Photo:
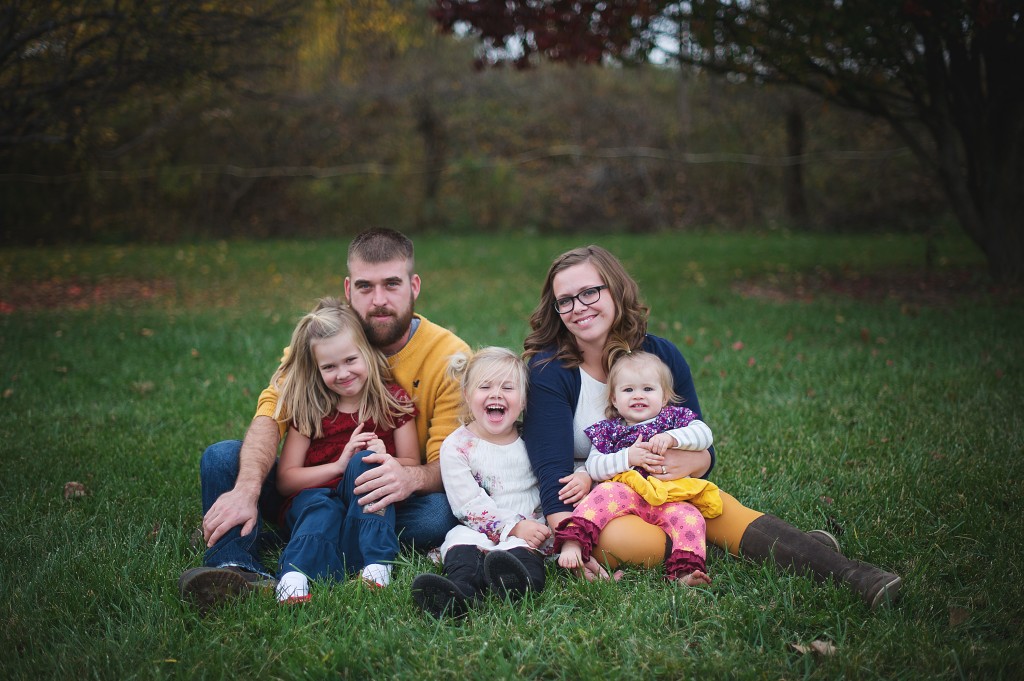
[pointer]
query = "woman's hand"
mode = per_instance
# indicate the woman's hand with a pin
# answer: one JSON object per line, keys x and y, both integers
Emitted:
{"x": 594, "y": 571}
{"x": 683, "y": 464}
{"x": 574, "y": 487}
{"x": 532, "y": 532}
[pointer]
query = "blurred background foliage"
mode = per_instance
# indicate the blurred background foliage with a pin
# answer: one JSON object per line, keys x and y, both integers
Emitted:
{"x": 330, "y": 116}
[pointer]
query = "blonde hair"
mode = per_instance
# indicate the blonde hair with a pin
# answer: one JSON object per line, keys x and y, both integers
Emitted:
{"x": 486, "y": 364}
{"x": 305, "y": 399}
{"x": 629, "y": 325}
{"x": 621, "y": 359}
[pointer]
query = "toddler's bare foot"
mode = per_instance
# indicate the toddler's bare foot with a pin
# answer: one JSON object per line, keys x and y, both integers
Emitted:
{"x": 695, "y": 578}
{"x": 571, "y": 557}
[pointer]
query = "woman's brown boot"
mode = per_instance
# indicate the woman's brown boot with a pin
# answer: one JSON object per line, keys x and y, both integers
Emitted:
{"x": 769, "y": 538}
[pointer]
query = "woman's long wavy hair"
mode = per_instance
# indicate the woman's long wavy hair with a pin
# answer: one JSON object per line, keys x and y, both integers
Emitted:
{"x": 305, "y": 399}
{"x": 629, "y": 325}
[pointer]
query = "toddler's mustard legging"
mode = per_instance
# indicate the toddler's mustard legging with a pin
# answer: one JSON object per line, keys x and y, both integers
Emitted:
{"x": 629, "y": 539}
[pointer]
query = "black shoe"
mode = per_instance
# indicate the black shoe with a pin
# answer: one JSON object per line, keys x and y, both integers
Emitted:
{"x": 211, "y": 586}
{"x": 439, "y": 596}
{"x": 506, "y": 575}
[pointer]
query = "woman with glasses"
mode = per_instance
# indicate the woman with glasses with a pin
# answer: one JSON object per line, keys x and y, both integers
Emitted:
{"x": 589, "y": 304}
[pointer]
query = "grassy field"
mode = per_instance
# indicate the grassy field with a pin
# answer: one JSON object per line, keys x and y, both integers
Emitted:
{"x": 890, "y": 413}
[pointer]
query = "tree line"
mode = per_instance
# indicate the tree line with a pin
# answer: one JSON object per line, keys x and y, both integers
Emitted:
{"x": 127, "y": 120}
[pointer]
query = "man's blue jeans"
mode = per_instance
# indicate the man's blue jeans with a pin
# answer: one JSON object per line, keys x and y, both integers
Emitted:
{"x": 421, "y": 520}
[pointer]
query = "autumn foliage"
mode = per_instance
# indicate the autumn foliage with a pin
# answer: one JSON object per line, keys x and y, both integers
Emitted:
{"x": 944, "y": 75}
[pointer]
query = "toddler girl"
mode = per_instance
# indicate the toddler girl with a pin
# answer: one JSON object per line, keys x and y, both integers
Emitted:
{"x": 627, "y": 450}
{"x": 492, "y": 491}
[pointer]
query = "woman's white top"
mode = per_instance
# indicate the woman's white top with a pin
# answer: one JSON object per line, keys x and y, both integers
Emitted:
{"x": 589, "y": 410}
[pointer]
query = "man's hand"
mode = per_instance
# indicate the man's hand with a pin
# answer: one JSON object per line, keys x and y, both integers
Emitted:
{"x": 388, "y": 483}
{"x": 233, "y": 508}
{"x": 532, "y": 532}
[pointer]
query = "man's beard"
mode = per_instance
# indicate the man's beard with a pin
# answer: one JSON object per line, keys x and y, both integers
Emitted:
{"x": 382, "y": 334}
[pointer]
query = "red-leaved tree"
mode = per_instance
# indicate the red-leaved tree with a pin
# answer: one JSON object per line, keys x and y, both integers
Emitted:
{"x": 947, "y": 75}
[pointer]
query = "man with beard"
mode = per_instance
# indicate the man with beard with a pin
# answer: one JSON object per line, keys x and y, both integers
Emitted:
{"x": 238, "y": 478}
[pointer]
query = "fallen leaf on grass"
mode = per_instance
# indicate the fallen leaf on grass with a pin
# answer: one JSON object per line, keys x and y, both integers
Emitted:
{"x": 823, "y": 648}
{"x": 958, "y": 616}
{"x": 74, "y": 490}
{"x": 143, "y": 387}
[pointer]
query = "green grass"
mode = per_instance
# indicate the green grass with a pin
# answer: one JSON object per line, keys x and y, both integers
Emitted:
{"x": 900, "y": 423}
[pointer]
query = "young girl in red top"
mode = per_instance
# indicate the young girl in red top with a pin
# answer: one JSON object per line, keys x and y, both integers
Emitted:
{"x": 337, "y": 393}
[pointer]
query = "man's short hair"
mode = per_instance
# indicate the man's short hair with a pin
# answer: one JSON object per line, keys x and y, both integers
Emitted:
{"x": 379, "y": 244}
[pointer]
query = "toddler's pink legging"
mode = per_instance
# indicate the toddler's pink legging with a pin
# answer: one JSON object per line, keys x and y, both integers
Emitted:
{"x": 680, "y": 520}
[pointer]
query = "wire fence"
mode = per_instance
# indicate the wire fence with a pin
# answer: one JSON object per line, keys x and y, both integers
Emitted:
{"x": 379, "y": 169}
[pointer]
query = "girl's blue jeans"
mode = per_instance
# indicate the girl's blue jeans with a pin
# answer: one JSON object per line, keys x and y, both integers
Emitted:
{"x": 421, "y": 521}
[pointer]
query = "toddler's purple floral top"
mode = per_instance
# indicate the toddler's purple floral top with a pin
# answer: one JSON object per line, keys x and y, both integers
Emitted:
{"x": 612, "y": 435}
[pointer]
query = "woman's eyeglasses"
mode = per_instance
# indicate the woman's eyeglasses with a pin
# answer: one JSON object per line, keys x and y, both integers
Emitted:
{"x": 587, "y": 296}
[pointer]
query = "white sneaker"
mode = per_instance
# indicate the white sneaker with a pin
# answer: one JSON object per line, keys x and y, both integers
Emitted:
{"x": 293, "y": 587}
{"x": 377, "y": 575}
